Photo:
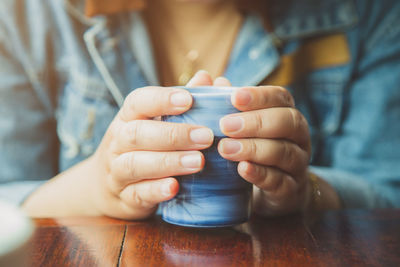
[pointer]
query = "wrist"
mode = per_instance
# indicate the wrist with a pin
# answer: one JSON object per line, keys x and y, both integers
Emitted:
{"x": 314, "y": 201}
{"x": 67, "y": 194}
{"x": 321, "y": 195}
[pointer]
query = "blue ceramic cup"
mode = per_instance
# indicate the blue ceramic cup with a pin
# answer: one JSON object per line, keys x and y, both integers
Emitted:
{"x": 217, "y": 196}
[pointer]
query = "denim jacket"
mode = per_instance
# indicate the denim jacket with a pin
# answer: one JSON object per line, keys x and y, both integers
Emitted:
{"x": 63, "y": 77}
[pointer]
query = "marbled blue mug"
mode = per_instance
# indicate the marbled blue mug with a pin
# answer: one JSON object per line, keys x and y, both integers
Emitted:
{"x": 217, "y": 196}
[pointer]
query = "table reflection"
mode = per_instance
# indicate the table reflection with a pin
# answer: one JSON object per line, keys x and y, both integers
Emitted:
{"x": 207, "y": 247}
{"x": 345, "y": 238}
{"x": 76, "y": 243}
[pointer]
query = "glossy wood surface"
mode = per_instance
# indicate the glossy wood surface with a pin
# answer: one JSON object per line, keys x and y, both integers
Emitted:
{"x": 345, "y": 238}
{"x": 77, "y": 242}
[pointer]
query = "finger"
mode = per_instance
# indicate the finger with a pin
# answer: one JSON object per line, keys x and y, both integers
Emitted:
{"x": 276, "y": 192}
{"x": 222, "y": 81}
{"x": 281, "y": 123}
{"x": 160, "y": 136}
{"x": 260, "y": 97}
{"x": 201, "y": 78}
{"x": 281, "y": 154}
{"x": 135, "y": 166}
{"x": 149, "y": 102}
{"x": 277, "y": 183}
{"x": 142, "y": 198}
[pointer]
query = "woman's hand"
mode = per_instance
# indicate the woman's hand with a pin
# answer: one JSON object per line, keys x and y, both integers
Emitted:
{"x": 139, "y": 156}
{"x": 271, "y": 141}
{"x": 132, "y": 170}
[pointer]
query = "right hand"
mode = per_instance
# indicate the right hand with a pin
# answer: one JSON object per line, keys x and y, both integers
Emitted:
{"x": 138, "y": 156}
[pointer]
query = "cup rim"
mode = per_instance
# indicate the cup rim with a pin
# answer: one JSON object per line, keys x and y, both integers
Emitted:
{"x": 210, "y": 90}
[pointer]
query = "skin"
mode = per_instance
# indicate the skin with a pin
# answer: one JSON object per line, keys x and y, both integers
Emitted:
{"x": 132, "y": 170}
{"x": 270, "y": 139}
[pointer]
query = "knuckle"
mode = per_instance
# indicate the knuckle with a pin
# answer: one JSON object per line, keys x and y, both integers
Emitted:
{"x": 133, "y": 132}
{"x": 299, "y": 129}
{"x": 262, "y": 173}
{"x": 279, "y": 182}
{"x": 137, "y": 199}
{"x": 113, "y": 184}
{"x": 163, "y": 98}
{"x": 128, "y": 163}
{"x": 253, "y": 149}
{"x": 127, "y": 106}
{"x": 128, "y": 100}
{"x": 140, "y": 195}
{"x": 297, "y": 120}
{"x": 281, "y": 151}
{"x": 259, "y": 121}
{"x": 114, "y": 146}
{"x": 288, "y": 154}
{"x": 119, "y": 166}
{"x": 273, "y": 181}
{"x": 173, "y": 134}
{"x": 260, "y": 176}
{"x": 167, "y": 161}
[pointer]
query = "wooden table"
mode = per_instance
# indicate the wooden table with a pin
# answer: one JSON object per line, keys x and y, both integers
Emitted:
{"x": 345, "y": 238}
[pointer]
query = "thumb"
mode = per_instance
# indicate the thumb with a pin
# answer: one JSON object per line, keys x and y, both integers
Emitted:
{"x": 222, "y": 81}
{"x": 201, "y": 78}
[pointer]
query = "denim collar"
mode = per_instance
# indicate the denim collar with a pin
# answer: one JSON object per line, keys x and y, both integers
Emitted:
{"x": 255, "y": 54}
{"x": 302, "y": 18}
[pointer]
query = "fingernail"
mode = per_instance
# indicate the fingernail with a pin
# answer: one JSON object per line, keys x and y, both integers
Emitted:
{"x": 191, "y": 161}
{"x": 202, "y": 136}
{"x": 166, "y": 189}
{"x": 231, "y": 146}
{"x": 242, "y": 97}
{"x": 232, "y": 124}
{"x": 180, "y": 99}
{"x": 202, "y": 72}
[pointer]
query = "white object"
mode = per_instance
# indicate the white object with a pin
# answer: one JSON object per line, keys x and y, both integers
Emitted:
{"x": 16, "y": 230}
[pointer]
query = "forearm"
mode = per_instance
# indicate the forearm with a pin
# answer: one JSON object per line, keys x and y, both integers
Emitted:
{"x": 67, "y": 194}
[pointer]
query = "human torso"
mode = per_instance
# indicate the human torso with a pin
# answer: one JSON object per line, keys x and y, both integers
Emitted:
{"x": 349, "y": 109}
{"x": 187, "y": 37}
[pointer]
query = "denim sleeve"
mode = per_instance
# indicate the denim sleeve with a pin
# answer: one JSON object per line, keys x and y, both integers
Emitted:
{"x": 28, "y": 141}
{"x": 366, "y": 152}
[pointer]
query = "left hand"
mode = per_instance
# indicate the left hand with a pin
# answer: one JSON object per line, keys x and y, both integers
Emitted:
{"x": 270, "y": 139}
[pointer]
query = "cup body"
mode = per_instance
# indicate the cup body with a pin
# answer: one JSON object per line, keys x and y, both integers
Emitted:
{"x": 217, "y": 196}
